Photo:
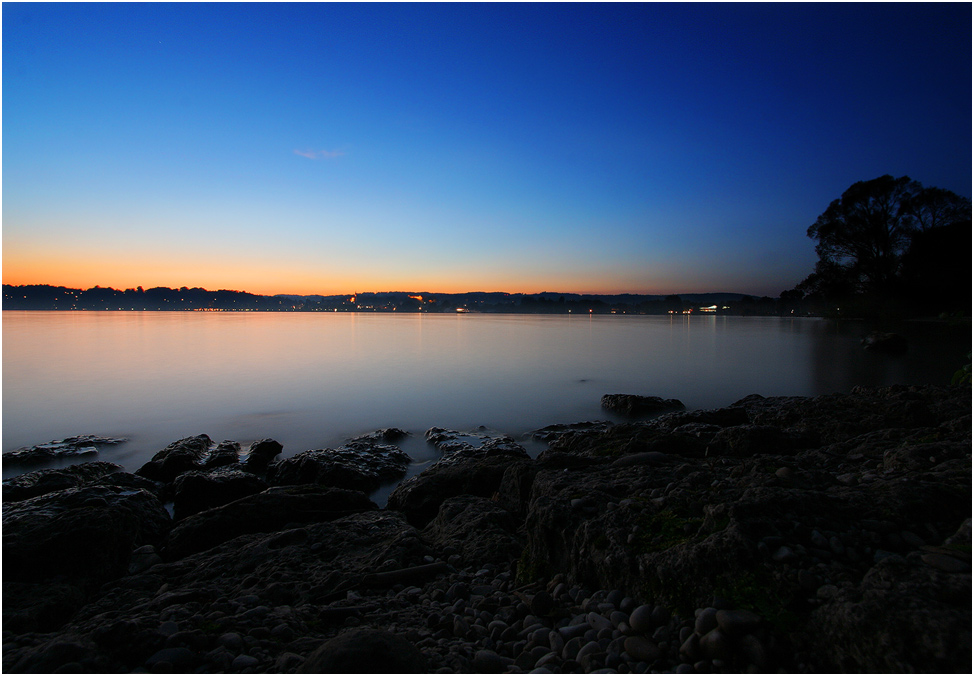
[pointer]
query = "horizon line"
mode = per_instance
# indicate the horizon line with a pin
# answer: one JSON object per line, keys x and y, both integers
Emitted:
{"x": 424, "y": 291}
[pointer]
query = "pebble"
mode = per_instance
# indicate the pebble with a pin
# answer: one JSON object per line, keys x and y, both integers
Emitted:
{"x": 737, "y": 622}
{"x": 706, "y": 620}
{"x": 784, "y": 554}
{"x": 641, "y": 619}
{"x": 642, "y": 649}
{"x": 244, "y": 661}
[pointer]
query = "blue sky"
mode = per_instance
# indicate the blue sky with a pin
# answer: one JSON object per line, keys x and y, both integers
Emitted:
{"x": 333, "y": 148}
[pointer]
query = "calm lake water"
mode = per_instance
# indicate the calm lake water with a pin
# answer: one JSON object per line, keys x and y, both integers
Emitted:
{"x": 313, "y": 380}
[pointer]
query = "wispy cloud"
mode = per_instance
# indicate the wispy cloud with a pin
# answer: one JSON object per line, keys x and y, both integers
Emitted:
{"x": 319, "y": 154}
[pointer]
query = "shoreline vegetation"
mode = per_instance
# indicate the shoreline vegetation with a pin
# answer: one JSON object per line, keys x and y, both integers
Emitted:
{"x": 42, "y": 297}
{"x": 794, "y": 534}
{"x": 45, "y": 297}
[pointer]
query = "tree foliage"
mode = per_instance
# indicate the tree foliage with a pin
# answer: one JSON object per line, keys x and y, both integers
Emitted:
{"x": 864, "y": 235}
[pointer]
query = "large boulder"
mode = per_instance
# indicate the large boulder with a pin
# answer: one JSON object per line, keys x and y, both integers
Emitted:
{"x": 636, "y": 405}
{"x": 261, "y": 454}
{"x": 225, "y": 453}
{"x": 360, "y": 464}
{"x": 180, "y": 456}
{"x": 365, "y": 651}
{"x": 83, "y": 533}
{"x": 274, "y": 509}
{"x": 477, "y": 528}
{"x": 197, "y": 491}
{"x": 42, "y": 481}
{"x": 420, "y": 496}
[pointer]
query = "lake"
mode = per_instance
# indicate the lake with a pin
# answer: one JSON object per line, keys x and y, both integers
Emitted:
{"x": 313, "y": 380}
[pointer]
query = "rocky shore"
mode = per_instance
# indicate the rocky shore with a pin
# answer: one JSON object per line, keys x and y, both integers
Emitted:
{"x": 780, "y": 534}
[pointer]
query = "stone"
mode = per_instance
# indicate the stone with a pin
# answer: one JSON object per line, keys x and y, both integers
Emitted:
{"x": 642, "y": 649}
{"x": 85, "y": 533}
{"x": 363, "y": 651}
{"x": 489, "y": 662}
{"x": 260, "y": 454}
{"x": 737, "y": 622}
{"x": 270, "y": 510}
{"x": 705, "y": 621}
{"x": 180, "y": 660}
{"x": 641, "y": 620}
{"x": 636, "y": 405}
{"x": 69, "y": 448}
{"x": 180, "y": 456}
{"x": 41, "y": 482}
{"x": 357, "y": 466}
{"x": 479, "y": 531}
{"x": 716, "y": 644}
{"x": 198, "y": 491}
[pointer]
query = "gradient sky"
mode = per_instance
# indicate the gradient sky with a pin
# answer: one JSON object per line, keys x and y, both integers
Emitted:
{"x": 334, "y": 148}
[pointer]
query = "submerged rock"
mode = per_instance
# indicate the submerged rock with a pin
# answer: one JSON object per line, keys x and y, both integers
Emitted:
{"x": 71, "y": 447}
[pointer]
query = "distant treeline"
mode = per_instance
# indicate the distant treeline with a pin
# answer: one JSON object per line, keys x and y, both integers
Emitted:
{"x": 45, "y": 297}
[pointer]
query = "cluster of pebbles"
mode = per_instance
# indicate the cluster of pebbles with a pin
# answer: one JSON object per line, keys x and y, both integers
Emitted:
{"x": 482, "y": 622}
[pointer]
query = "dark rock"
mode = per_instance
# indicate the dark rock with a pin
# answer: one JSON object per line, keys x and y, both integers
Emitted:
{"x": 552, "y": 432}
{"x": 80, "y": 533}
{"x": 271, "y": 510}
{"x": 420, "y": 496}
{"x": 71, "y": 447}
{"x": 181, "y": 660}
{"x": 44, "y": 481}
{"x": 743, "y": 441}
{"x": 197, "y": 491}
{"x": 226, "y": 453}
{"x": 359, "y": 465}
{"x": 635, "y": 405}
{"x": 364, "y": 651}
{"x": 261, "y": 454}
{"x": 475, "y": 445}
{"x": 127, "y": 480}
{"x": 39, "y": 606}
{"x": 180, "y": 456}
{"x": 477, "y": 528}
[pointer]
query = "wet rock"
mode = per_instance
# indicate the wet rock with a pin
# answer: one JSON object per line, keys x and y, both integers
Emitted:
{"x": 226, "y": 453}
{"x": 41, "y": 482}
{"x": 180, "y": 456}
{"x": 479, "y": 530}
{"x": 197, "y": 491}
{"x": 273, "y": 509}
{"x": 420, "y": 496}
{"x": 363, "y": 651}
{"x": 69, "y": 448}
{"x": 636, "y": 405}
{"x": 260, "y": 454}
{"x": 357, "y": 465}
{"x": 83, "y": 533}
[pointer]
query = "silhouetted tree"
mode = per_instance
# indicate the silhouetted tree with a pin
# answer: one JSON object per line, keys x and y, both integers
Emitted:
{"x": 867, "y": 230}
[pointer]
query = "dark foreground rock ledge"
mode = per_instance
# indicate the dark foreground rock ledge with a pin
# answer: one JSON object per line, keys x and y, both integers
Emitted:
{"x": 777, "y": 534}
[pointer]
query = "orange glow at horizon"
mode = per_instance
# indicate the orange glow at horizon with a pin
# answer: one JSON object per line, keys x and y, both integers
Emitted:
{"x": 84, "y": 271}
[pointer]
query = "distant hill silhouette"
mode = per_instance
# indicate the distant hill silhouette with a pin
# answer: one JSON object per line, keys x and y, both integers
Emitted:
{"x": 45, "y": 297}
